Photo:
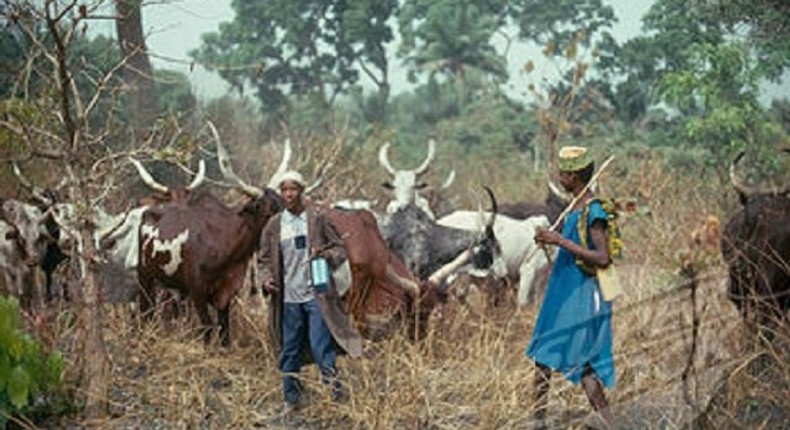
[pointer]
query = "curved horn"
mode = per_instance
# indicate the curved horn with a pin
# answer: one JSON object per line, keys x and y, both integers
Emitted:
{"x": 35, "y": 192}
{"x": 449, "y": 181}
{"x": 405, "y": 283}
{"x": 438, "y": 276}
{"x": 493, "y": 206}
{"x": 199, "y": 177}
{"x": 428, "y": 159}
{"x": 384, "y": 158}
{"x": 312, "y": 187}
{"x": 739, "y": 186}
{"x": 283, "y": 167}
{"x": 227, "y": 169}
{"x": 147, "y": 178}
{"x": 554, "y": 189}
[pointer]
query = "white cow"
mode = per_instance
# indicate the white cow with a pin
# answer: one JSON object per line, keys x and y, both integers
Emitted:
{"x": 404, "y": 184}
{"x": 517, "y": 242}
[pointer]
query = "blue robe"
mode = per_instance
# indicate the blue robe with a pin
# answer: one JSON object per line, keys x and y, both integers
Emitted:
{"x": 574, "y": 326}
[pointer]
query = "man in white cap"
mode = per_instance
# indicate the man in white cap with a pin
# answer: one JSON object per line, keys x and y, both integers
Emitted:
{"x": 302, "y": 314}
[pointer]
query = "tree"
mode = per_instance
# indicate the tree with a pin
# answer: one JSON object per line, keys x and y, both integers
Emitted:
{"x": 174, "y": 93}
{"x": 717, "y": 92}
{"x": 574, "y": 35}
{"x": 53, "y": 122}
{"x": 304, "y": 49}
{"x": 451, "y": 37}
{"x": 767, "y": 24}
{"x": 137, "y": 70}
{"x": 670, "y": 27}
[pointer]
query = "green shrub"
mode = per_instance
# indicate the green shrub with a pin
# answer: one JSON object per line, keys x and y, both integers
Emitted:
{"x": 27, "y": 374}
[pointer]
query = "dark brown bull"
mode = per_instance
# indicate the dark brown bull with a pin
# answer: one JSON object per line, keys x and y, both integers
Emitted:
{"x": 756, "y": 246}
{"x": 383, "y": 293}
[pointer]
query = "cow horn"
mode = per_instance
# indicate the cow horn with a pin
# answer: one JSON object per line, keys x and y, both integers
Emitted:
{"x": 227, "y": 170}
{"x": 116, "y": 223}
{"x": 274, "y": 181}
{"x": 199, "y": 177}
{"x": 449, "y": 181}
{"x": 147, "y": 178}
{"x": 428, "y": 159}
{"x": 406, "y": 284}
{"x": 384, "y": 158}
{"x": 554, "y": 189}
{"x": 493, "y": 206}
{"x": 312, "y": 187}
{"x": 438, "y": 276}
{"x": 35, "y": 192}
{"x": 739, "y": 186}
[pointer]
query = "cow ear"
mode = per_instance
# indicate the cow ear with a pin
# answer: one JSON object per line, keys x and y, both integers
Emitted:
{"x": 421, "y": 185}
{"x": 388, "y": 185}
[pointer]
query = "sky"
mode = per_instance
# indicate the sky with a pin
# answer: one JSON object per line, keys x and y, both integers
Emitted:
{"x": 174, "y": 27}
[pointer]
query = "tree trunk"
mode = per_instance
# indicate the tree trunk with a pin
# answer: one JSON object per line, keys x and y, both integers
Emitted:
{"x": 95, "y": 370}
{"x": 137, "y": 73}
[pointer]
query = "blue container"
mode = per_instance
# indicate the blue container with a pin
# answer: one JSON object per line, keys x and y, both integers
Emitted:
{"x": 319, "y": 274}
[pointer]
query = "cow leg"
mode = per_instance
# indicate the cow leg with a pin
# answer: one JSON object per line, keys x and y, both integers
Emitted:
{"x": 223, "y": 316}
{"x": 201, "y": 305}
{"x": 147, "y": 298}
{"x": 48, "y": 286}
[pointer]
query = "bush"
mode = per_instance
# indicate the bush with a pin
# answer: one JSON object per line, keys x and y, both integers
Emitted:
{"x": 27, "y": 374}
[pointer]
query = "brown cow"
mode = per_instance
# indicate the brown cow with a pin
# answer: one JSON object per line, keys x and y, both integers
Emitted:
{"x": 756, "y": 246}
{"x": 383, "y": 293}
{"x": 200, "y": 247}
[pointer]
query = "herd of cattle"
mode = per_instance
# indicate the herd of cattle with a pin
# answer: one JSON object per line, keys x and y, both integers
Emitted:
{"x": 399, "y": 261}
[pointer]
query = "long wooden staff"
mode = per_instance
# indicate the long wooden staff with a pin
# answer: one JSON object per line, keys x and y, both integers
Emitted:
{"x": 570, "y": 207}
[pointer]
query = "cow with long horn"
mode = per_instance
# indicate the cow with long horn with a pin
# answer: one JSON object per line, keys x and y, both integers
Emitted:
{"x": 201, "y": 247}
{"x": 425, "y": 246}
{"x": 755, "y": 245}
{"x": 404, "y": 184}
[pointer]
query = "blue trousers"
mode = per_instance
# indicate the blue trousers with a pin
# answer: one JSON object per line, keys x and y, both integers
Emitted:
{"x": 303, "y": 322}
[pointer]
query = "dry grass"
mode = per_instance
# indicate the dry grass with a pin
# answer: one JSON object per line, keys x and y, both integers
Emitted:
{"x": 471, "y": 372}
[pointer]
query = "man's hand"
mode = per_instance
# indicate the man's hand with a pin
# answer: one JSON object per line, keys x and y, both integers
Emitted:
{"x": 269, "y": 286}
{"x": 547, "y": 237}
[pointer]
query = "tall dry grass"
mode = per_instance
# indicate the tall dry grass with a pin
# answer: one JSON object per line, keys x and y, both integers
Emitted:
{"x": 471, "y": 372}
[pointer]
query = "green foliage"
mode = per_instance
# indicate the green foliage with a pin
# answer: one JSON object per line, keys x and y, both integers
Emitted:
{"x": 717, "y": 92}
{"x": 174, "y": 92}
{"x": 26, "y": 372}
{"x": 768, "y": 26}
{"x": 301, "y": 49}
{"x": 452, "y": 38}
{"x": 669, "y": 27}
{"x": 558, "y": 25}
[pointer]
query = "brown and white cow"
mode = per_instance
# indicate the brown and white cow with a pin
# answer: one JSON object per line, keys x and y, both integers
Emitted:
{"x": 201, "y": 247}
{"x": 755, "y": 245}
